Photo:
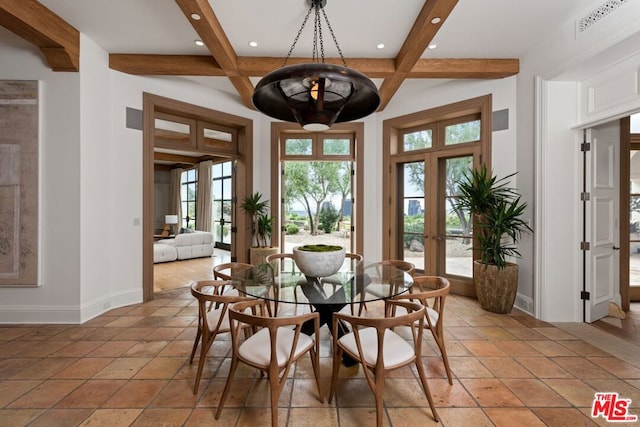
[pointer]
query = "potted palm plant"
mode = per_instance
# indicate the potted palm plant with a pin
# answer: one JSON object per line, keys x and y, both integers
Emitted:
{"x": 497, "y": 211}
{"x": 261, "y": 227}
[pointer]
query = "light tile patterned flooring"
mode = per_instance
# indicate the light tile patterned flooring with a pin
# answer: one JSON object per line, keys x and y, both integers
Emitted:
{"x": 129, "y": 367}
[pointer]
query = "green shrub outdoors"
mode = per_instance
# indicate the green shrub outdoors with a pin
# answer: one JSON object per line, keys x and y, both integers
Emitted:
{"x": 292, "y": 229}
{"x": 413, "y": 229}
{"x": 328, "y": 218}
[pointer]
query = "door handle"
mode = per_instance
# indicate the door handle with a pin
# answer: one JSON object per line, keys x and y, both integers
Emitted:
{"x": 616, "y": 248}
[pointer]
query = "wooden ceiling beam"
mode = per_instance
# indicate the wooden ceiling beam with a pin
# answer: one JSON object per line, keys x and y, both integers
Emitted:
{"x": 211, "y": 33}
{"x": 165, "y": 65}
{"x": 422, "y": 32}
{"x": 198, "y": 65}
{"x": 58, "y": 41}
{"x": 464, "y": 68}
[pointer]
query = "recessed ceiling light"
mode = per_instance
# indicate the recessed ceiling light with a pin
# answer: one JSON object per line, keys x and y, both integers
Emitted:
{"x": 380, "y": 46}
{"x": 253, "y": 44}
{"x": 199, "y": 42}
{"x": 436, "y": 20}
{"x": 195, "y": 16}
{"x": 433, "y": 46}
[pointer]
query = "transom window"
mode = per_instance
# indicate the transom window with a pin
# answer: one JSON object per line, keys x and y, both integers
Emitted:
{"x": 437, "y": 135}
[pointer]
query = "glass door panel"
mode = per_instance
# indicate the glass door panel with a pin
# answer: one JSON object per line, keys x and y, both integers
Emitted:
{"x": 317, "y": 203}
{"x": 634, "y": 225}
{"x": 221, "y": 193}
{"x": 458, "y": 225}
{"x": 412, "y": 197}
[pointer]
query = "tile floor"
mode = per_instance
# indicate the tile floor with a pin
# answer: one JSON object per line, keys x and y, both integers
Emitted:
{"x": 129, "y": 367}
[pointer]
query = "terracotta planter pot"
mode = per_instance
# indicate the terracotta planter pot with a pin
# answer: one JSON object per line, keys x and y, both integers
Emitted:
{"x": 496, "y": 288}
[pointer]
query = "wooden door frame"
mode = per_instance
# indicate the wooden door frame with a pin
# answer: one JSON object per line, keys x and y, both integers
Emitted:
{"x": 357, "y": 129}
{"x": 243, "y": 176}
{"x": 391, "y": 141}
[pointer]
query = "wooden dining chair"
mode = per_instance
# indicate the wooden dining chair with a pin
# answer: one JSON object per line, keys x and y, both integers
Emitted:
{"x": 273, "y": 349}
{"x": 373, "y": 343}
{"x": 281, "y": 261}
{"x": 226, "y": 270}
{"x": 213, "y": 305}
{"x": 431, "y": 292}
{"x": 381, "y": 270}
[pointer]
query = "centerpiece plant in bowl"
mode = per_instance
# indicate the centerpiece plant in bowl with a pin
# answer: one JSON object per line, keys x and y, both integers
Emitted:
{"x": 319, "y": 260}
{"x": 497, "y": 213}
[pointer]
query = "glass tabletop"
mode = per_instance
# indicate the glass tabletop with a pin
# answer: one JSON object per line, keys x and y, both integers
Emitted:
{"x": 364, "y": 282}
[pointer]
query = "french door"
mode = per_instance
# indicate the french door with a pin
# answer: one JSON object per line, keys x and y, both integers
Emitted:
{"x": 602, "y": 230}
{"x": 222, "y": 195}
{"x": 430, "y": 231}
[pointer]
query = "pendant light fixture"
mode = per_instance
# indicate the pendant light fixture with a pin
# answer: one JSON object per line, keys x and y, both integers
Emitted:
{"x": 316, "y": 94}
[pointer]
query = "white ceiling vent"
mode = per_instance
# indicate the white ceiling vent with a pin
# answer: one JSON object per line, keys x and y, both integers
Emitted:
{"x": 597, "y": 15}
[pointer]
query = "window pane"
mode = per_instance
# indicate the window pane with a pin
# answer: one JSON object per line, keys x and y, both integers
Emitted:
{"x": 216, "y": 170}
{"x": 302, "y": 147}
{"x": 216, "y": 189}
{"x": 417, "y": 140}
{"x": 217, "y": 134}
{"x": 172, "y": 132}
{"x": 462, "y": 132}
{"x": 226, "y": 188}
{"x": 226, "y": 168}
{"x": 337, "y": 147}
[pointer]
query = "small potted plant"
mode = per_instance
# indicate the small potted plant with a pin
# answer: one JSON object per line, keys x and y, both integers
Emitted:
{"x": 497, "y": 212}
{"x": 261, "y": 227}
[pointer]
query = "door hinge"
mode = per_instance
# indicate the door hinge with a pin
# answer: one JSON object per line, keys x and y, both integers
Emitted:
{"x": 234, "y": 229}
{"x": 585, "y": 146}
{"x": 585, "y": 246}
{"x": 585, "y": 295}
{"x": 585, "y": 197}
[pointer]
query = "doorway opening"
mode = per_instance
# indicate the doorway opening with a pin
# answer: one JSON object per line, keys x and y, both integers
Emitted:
{"x": 319, "y": 191}
{"x": 177, "y": 132}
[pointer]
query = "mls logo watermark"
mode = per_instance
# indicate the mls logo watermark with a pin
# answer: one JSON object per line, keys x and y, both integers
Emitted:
{"x": 612, "y": 408}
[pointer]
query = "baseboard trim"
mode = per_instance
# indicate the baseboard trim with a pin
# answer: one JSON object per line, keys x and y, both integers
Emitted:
{"x": 28, "y": 314}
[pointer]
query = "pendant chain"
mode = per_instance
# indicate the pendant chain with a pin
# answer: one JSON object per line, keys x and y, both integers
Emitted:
{"x": 316, "y": 5}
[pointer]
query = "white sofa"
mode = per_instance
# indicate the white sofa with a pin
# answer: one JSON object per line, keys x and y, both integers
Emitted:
{"x": 184, "y": 246}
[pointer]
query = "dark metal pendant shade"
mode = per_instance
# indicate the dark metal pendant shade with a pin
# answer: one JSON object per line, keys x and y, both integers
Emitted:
{"x": 316, "y": 95}
{"x": 343, "y": 94}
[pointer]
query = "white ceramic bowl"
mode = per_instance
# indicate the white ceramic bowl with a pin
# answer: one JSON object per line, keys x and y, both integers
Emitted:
{"x": 318, "y": 264}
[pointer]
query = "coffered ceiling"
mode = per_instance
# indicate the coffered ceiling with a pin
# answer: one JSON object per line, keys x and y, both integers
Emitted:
{"x": 475, "y": 39}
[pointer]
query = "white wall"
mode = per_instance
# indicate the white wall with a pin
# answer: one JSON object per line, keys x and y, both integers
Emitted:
{"x": 57, "y": 297}
{"x": 97, "y": 233}
{"x": 559, "y": 206}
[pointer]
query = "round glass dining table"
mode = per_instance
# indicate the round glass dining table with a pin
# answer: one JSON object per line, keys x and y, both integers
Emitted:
{"x": 358, "y": 283}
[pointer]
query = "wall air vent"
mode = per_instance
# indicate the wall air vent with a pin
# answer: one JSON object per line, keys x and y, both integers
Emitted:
{"x": 598, "y": 14}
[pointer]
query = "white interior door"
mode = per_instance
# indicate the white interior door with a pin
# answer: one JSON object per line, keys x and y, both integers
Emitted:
{"x": 602, "y": 225}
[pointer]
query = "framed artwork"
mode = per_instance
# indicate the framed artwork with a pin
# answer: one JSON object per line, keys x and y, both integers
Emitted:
{"x": 18, "y": 183}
